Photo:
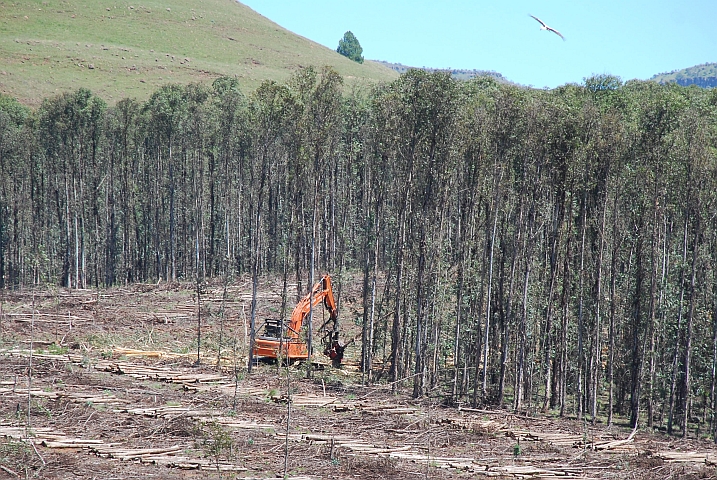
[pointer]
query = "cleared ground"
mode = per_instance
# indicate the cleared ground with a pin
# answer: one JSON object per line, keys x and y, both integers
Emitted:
{"x": 115, "y": 392}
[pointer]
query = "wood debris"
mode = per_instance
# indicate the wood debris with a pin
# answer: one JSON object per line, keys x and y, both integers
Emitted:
{"x": 165, "y": 374}
{"x": 161, "y": 354}
{"x": 306, "y": 400}
{"x": 75, "y": 397}
{"x": 164, "y": 456}
{"x": 708, "y": 458}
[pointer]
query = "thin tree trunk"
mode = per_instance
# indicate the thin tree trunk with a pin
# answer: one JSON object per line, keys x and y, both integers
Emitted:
{"x": 509, "y": 313}
{"x": 653, "y": 308}
{"x": 598, "y": 297}
{"x": 419, "y": 354}
{"x": 548, "y": 346}
{"x": 310, "y": 319}
{"x": 457, "y": 332}
{"x": 637, "y": 351}
{"x": 172, "y": 218}
{"x": 581, "y": 359}
{"x": 713, "y": 418}
{"x": 397, "y": 312}
{"x": 489, "y": 302}
{"x": 613, "y": 307}
{"x": 373, "y": 308}
{"x": 519, "y": 387}
{"x": 676, "y": 353}
{"x": 688, "y": 335}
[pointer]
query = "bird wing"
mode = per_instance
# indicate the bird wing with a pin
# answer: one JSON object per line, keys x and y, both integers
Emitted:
{"x": 539, "y": 20}
{"x": 555, "y": 32}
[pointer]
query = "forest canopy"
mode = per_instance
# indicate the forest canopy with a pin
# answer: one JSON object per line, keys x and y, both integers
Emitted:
{"x": 545, "y": 249}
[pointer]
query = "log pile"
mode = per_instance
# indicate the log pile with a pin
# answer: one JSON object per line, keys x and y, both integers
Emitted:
{"x": 472, "y": 465}
{"x": 530, "y": 471}
{"x": 48, "y": 437}
{"x": 603, "y": 443}
{"x": 477, "y": 426}
{"x": 65, "y": 357}
{"x": 171, "y": 412}
{"x": 163, "y": 456}
{"x": 305, "y": 400}
{"x": 387, "y": 409}
{"x": 163, "y": 374}
{"x": 228, "y": 389}
{"x": 75, "y": 397}
{"x": 159, "y": 354}
{"x": 167, "y": 457}
{"x": 167, "y": 412}
{"x": 708, "y": 458}
{"x": 48, "y": 318}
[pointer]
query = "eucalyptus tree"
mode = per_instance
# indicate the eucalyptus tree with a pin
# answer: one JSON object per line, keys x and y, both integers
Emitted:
{"x": 697, "y": 163}
{"x": 490, "y": 138}
{"x": 227, "y": 170}
{"x": 164, "y": 112}
{"x": 126, "y": 262}
{"x": 655, "y": 114}
{"x": 415, "y": 116}
{"x": 269, "y": 112}
{"x": 603, "y": 127}
{"x": 15, "y": 222}
{"x": 69, "y": 134}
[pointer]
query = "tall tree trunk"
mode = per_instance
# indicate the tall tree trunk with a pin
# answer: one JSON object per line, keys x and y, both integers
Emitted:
{"x": 457, "y": 332}
{"x": 688, "y": 334}
{"x": 374, "y": 276}
{"x": 596, "y": 362}
{"x": 676, "y": 353}
{"x": 713, "y": 400}
{"x": 547, "y": 337}
{"x": 581, "y": 322}
{"x": 172, "y": 218}
{"x": 637, "y": 351}
{"x": 398, "y": 302}
{"x": 520, "y": 380}
{"x": 489, "y": 301}
{"x": 652, "y": 313}
{"x": 419, "y": 353}
{"x": 613, "y": 308}
{"x": 509, "y": 310}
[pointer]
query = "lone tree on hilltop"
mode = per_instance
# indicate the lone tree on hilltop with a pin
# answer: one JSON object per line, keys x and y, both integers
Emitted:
{"x": 350, "y": 47}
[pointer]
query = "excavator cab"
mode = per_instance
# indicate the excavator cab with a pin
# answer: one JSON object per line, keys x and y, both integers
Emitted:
{"x": 274, "y": 328}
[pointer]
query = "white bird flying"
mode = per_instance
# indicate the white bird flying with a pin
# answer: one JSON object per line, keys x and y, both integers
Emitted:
{"x": 550, "y": 29}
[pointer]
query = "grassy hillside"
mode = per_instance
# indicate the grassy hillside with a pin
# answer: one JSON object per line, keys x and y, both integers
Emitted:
{"x": 127, "y": 49}
{"x": 704, "y": 75}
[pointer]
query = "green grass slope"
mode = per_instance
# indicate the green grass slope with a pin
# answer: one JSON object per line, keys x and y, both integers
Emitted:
{"x": 704, "y": 75}
{"x": 127, "y": 49}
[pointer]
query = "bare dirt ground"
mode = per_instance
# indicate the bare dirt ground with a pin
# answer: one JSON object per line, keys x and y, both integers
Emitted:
{"x": 115, "y": 392}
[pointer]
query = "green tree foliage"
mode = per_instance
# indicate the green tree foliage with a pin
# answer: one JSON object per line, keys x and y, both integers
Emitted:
{"x": 534, "y": 249}
{"x": 350, "y": 47}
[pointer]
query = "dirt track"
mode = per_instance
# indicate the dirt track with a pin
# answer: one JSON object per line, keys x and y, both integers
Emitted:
{"x": 115, "y": 393}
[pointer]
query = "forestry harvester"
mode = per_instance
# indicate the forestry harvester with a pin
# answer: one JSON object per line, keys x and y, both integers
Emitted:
{"x": 284, "y": 341}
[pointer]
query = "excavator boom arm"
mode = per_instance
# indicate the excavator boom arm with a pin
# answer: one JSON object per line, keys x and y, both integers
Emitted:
{"x": 321, "y": 292}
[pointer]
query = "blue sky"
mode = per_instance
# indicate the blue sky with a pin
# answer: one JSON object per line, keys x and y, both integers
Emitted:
{"x": 630, "y": 39}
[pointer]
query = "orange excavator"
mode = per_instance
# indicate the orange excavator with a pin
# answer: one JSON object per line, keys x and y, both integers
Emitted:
{"x": 281, "y": 340}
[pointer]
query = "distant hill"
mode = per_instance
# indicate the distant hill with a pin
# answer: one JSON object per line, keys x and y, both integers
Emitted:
{"x": 458, "y": 74}
{"x": 128, "y": 49}
{"x": 704, "y": 76}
